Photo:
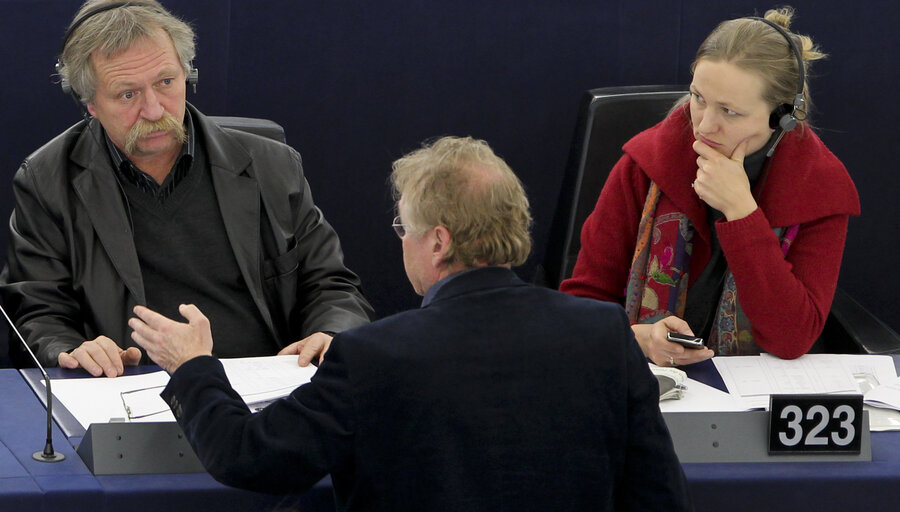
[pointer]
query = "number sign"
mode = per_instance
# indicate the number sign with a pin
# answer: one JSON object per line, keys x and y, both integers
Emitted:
{"x": 815, "y": 424}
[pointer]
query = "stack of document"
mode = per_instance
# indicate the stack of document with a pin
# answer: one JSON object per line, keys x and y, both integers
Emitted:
{"x": 754, "y": 378}
{"x": 259, "y": 380}
{"x": 262, "y": 380}
{"x": 885, "y": 395}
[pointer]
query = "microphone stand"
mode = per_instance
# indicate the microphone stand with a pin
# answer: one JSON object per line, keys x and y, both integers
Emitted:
{"x": 48, "y": 454}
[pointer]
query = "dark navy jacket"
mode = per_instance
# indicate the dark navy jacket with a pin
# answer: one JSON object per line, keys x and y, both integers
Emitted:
{"x": 495, "y": 395}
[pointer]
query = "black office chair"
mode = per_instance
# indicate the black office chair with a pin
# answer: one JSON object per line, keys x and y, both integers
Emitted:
{"x": 263, "y": 127}
{"x": 853, "y": 329}
{"x": 609, "y": 117}
{"x": 12, "y": 354}
{"x": 5, "y": 361}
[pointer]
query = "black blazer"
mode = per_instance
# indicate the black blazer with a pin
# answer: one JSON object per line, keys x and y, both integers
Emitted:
{"x": 497, "y": 395}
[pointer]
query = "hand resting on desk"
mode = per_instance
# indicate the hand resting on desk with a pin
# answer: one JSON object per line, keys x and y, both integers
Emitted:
{"x": 100, "y": 356}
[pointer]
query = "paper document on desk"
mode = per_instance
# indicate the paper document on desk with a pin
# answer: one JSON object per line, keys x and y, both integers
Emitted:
{"x": 263, "y": 379}
{"x": 754, "y": 378}
{"x": 688, "y": 395}
{"x": 699, "y": 397}
{"x": 883, "y": 404}
{"x": 103, "y": 400}
{"x": 886, "y": 395}
{"x": 135, "y": 398}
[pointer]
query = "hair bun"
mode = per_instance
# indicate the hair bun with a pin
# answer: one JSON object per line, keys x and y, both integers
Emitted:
{"x": 782, "y": 16}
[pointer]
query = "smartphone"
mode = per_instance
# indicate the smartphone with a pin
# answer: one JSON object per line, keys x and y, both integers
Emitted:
{"x": 686, "y": 340}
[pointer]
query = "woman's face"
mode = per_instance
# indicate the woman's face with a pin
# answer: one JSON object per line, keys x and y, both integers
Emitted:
{"x": 727, "y": 107}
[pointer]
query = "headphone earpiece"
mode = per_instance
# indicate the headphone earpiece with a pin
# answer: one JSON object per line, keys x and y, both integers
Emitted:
{"x": 63, "y": 83}
{"x": 193, "y": 76}
{"x": 783, "y": 117}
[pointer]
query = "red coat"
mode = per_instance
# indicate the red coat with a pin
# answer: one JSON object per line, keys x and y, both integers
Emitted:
{"x": 786, "y": 299}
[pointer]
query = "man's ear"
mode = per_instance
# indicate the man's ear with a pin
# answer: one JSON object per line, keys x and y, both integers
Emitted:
{"x": 441, "y": 245}
{"x": 90, "y": 108}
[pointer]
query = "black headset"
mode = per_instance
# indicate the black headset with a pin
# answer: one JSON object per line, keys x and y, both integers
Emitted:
{"x": 784, "y": 115}
{"x": 192, "y": 74}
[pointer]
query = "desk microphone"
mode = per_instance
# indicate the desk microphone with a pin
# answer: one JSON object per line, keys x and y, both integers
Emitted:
{"x": 48, "y": 455}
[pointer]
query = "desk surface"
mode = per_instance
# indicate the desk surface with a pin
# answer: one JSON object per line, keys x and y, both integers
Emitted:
{"x": 794, "y": 486}
{"x": 68, "y": 485}
{"x": 789, "y": 486}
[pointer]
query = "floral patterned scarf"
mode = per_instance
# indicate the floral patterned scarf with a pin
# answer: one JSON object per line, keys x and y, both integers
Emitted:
{"x": 658, "y": 279}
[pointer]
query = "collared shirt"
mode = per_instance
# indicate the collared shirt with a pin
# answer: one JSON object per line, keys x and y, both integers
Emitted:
{"x": 429, "y": 295}
{"x": 132, "y": 174}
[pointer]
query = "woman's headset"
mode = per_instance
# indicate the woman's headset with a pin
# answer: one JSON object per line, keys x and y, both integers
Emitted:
{"x": 784, "y": 115}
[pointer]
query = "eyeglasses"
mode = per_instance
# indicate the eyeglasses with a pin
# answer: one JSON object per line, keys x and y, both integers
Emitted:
{"x": 144, "y": 402}
{"x": 399, "y": 227}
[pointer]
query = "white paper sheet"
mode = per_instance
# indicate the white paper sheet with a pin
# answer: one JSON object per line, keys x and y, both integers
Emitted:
{"x": 881, "y": 420}
{"x": 136, "y": 397}
{"x": 886, "y": 395}
{"x": 99, "y": 400}
{"x": 763, "y": 375}
{"x": 260, "y": 379}
{"x": 698, "y": 397}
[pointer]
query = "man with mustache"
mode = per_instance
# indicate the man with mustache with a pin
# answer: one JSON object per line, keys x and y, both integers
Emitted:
{"x": 149, "y": 202}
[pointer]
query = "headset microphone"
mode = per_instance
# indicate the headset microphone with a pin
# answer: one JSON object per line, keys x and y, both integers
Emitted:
{"x": 771, "y": 150}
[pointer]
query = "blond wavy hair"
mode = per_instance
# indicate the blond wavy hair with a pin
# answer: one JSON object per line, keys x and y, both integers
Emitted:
{"x": 459, "y": 183}
{"x": 757, "y": 47}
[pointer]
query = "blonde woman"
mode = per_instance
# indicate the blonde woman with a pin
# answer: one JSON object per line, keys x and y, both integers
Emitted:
{"x": 728, "y": 219}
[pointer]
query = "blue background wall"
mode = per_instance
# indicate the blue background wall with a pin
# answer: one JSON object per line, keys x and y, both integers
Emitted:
{"x": 357, "y": 84}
